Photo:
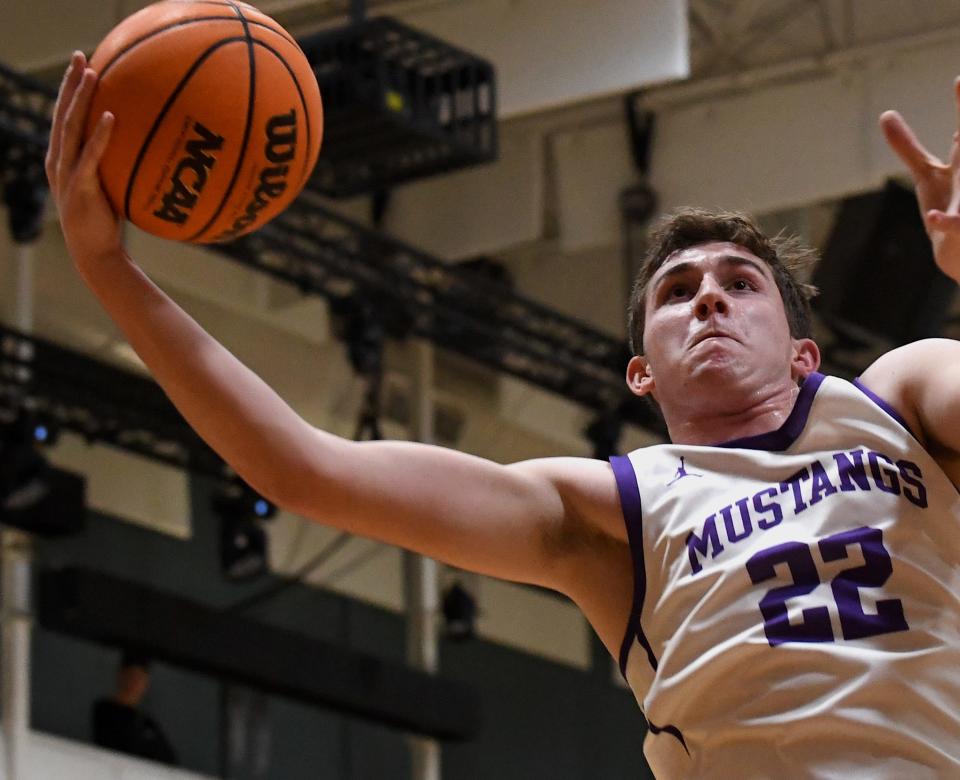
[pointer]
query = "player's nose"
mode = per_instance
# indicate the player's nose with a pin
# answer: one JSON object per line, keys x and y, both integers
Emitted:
{"x": 710, "y": 299}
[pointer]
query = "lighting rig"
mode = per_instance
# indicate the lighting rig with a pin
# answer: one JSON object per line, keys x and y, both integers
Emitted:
{"x": 26, "y": 106}
{"x": 323, "y": 253}
{"x": 72, "y": 392}
{"x": 399, "y": 105}
{"x": 100, "y": 402}
{"x": 243, "y": 541}
{"x": 638, "y": 202}
{"x": 55, "y": 389}
{"x": 35, "y": 496}
{"x": 326, "y": 254}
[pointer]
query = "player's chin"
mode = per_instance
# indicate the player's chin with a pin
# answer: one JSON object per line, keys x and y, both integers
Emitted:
{"x": 718, "y": 365}
{"x": 717, "y": 351}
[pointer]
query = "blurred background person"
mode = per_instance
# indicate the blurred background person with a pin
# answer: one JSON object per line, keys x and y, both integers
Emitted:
{"x": 119, "y": 723}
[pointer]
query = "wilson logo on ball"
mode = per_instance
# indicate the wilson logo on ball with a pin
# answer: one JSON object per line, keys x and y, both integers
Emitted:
{"x": 280, "y": 149}
{"x": 190, "y": 175}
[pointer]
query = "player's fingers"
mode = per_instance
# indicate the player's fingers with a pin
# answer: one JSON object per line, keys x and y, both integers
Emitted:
{"x": 956, "y": 96}
{"x": 74, "y": 122}
{"x": 904, "y": 142}
{"x": 86, "y": 170}
{"x": 943, "y": 222}
{"x": 71, "y": 78}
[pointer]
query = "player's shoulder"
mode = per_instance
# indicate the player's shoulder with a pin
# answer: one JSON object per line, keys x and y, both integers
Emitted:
{"x": 900, "y": 375}
{"x": 911, "y": 362}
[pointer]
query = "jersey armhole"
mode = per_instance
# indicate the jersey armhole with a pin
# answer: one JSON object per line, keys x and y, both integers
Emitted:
{"x": 633, "y": 518}
{"x": 886, "y": 407}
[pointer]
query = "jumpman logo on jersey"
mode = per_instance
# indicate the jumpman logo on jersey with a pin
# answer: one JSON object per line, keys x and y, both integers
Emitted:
{"x": 682, "y": 472}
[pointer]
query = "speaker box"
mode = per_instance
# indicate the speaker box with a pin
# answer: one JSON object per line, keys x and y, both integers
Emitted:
{"x": 877, "y": 276}
{"x": 49, "y": 503}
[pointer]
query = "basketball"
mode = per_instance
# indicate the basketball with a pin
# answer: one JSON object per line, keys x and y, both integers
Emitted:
{"x": 218, "y": 119}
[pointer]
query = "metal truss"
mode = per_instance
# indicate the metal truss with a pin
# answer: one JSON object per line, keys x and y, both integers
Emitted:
{"x": 65, "y": 389}
{"x": 25, "y": 109}
{"x": 321, "y": 253}
{"x": 324, "y": 253}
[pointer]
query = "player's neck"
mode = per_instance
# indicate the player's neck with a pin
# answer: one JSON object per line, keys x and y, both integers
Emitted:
{"x": 711, "y": 422}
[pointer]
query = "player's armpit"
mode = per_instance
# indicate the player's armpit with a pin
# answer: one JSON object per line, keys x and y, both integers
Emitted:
{"x": 922, "y": 382}
{"x": 526, "y": 522}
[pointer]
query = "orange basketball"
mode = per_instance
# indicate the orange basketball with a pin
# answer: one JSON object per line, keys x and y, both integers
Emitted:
{"x": 218, "y": 118}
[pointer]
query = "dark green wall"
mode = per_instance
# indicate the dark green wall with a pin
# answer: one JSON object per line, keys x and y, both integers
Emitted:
{"x": 541, "y": 719}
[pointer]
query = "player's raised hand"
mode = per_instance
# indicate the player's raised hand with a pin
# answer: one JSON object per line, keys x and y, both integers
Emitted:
{"x": 90, "y": 227}
{"x": 937, "y": 185}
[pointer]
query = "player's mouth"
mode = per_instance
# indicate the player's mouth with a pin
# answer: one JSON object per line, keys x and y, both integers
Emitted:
{"x": 710, "y": 334}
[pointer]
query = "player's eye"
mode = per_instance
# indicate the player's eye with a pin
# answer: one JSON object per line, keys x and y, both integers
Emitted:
{"x": 741, "y": 284}
{"x": 678, "y": 291}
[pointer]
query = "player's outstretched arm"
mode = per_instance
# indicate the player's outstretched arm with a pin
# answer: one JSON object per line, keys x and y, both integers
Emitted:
{"x": 922, "y": 380}
{"x": 523, "y": 522}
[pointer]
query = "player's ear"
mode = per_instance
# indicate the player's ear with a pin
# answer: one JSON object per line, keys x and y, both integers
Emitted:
{"x": 805, "y": 359}
{"x": 640, "y": 376}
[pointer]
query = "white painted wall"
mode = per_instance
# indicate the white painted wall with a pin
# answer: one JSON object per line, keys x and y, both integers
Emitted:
{"x": 550, "y": 53}
{"x": 52, "y": 758}
{"x": 781, "y": 143}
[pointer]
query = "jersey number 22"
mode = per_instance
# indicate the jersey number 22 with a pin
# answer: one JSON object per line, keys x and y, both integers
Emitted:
{"x": 816, "y": 626}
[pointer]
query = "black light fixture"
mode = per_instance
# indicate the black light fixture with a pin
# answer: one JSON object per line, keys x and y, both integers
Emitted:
{"x": 604, "y": 433}
{"x": 638, "y": 202}
{"x": 459, "y": 613}
{"x": 362, "y": 324}
{"x": 865, "y": 297}
{"x": 243, "y": 541}
{"x": 34, "y": 496}
{"x": 25, "y": 198}
{"x": 400, "y": 105}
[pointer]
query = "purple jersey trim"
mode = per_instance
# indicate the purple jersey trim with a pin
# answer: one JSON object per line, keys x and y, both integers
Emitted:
{"x": 633, "y": 518}
{"x": 782, "y": 438}
{"x": 669, "y": 729}
{"x": 882, "y": 404}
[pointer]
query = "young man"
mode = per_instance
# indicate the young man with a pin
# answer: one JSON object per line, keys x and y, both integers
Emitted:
{"x": 120, "y": 724}
{"x": 780, "y": 602}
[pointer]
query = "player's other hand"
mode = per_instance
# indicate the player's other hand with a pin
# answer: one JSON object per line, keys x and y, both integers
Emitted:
{"x": 90, "y": 227}
{"x": 937, "y": 185}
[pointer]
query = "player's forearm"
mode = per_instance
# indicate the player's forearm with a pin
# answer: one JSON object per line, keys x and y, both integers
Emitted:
{"x": 225, "y": 402}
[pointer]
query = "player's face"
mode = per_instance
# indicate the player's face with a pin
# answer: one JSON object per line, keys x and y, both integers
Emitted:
{"x": 715, "y": 319}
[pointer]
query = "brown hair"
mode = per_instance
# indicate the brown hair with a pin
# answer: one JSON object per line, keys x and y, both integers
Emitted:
{"x": 692, "y": 226}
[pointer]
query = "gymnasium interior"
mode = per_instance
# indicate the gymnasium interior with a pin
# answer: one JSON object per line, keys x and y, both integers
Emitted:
{"x": 461, "y": 278}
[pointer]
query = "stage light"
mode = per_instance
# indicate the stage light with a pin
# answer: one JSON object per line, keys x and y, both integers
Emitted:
{"x": 243, "y": 542}
{"x": 243, "y": 548}
{"x": 34, "y": 496}
{"x": 604, "y": 433}
{"x": 46, "y": 433}
{"x": 459, "y": 613}
{"x": 25, "y": 197}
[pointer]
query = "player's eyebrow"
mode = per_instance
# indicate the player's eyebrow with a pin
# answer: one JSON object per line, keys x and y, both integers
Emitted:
{"x": 727, "y": 260}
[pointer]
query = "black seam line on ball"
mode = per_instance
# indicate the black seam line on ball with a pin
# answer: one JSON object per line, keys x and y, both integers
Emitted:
{"x": 278, "y": 30}
{"x": 303, "y": 105}
{"x": 163, "y": 112}
{"x": 174, "y": 25}
{"x": 251, "y": 92}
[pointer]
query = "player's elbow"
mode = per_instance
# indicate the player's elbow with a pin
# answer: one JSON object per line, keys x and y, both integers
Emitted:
{"x": 307, "y": 480}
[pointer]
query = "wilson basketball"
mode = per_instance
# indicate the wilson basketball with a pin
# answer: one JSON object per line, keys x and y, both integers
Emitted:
{"x": 218, "y": 119}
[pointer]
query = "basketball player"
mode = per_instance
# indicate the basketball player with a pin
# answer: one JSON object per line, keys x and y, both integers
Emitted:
{"x": 778, "y": 583}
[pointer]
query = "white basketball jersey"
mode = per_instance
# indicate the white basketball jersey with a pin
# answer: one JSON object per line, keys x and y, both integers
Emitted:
{"x": 796, "y": 610}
